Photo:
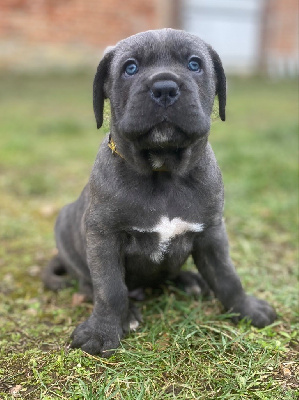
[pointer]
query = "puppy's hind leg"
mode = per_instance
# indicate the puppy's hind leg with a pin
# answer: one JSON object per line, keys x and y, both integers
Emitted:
{"x": 134, "y": 318}
{"x": 192, "y": 283}
{"x": 55, "y": 276}
{"x": 86, "y": 289}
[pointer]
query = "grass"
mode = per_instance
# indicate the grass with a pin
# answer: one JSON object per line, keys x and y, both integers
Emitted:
{"x": 185, "y": 348}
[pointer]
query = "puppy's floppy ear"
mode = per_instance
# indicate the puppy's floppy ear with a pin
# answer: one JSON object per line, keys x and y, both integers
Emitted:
{"x": 221, "y": 82}
{"x": 98, "y": 85}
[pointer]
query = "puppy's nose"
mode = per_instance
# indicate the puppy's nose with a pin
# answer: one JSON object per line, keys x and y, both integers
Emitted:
{"x": 165, "y": 93}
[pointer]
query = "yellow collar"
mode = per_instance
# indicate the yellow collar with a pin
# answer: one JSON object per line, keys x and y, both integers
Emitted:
{"x": 112, "y": 146}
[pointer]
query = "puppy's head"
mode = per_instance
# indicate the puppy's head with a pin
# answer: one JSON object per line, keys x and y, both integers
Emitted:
{"x": 161, "y": 85}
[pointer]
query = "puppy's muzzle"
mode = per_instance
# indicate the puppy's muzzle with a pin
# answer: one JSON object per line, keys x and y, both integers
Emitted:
{"x": 164, "y": 92}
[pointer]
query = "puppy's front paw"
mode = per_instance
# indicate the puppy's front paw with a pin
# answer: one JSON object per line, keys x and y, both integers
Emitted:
{"x": 259, "y": 312}
{"x": 95, "y": 337}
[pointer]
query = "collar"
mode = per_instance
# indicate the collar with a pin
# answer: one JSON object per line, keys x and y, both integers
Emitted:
{"x": 112, "y": 146}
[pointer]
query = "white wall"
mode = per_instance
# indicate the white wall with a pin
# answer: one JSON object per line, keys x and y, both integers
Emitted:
{"x": 232, "y": 27}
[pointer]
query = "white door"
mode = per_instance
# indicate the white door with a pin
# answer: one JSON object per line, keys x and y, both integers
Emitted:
{"x": 232, "y": 27}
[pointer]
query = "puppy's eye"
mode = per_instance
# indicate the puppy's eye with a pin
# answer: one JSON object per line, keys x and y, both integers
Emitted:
{"x": 131, "y": 68}
{"x": 194, "y": 64}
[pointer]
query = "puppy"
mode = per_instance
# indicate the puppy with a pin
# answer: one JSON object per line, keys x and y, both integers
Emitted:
{"x": 155, "y": 195}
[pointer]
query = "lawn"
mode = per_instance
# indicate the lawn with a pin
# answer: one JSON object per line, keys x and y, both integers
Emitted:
{"x": 186, "y": 348}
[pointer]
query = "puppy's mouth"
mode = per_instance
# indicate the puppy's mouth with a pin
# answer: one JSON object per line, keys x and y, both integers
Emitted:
{"x": 163, "y": 137}
{"x": 163, "y": 146}
{"x": 163, "y": 159}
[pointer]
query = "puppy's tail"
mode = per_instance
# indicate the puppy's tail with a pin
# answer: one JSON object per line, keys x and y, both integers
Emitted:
{"x": 55, "y": 275}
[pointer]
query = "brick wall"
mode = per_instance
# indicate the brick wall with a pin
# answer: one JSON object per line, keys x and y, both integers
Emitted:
{"x": 282, "y": 32}
{"x": 280, "y": 37}
{"x": 72, "y": 33}
{"x": 95, "y": 22}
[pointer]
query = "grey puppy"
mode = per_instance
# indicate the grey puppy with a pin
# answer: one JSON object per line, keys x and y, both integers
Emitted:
{"x": 155, "y": 195}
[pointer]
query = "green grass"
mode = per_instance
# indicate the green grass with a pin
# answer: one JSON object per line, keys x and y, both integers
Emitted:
{"x": 185, "y": 348}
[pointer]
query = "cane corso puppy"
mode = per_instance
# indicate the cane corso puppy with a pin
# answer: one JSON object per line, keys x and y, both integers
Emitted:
{"x": 155, "y": 195}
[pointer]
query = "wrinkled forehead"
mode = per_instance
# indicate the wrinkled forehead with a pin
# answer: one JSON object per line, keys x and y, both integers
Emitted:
{"x": 157, "y": 45}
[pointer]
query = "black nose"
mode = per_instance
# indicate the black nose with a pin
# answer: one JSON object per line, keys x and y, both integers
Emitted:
{"x": 165, "y": 93}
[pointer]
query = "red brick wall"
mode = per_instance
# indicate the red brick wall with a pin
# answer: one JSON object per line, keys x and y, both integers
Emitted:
{"x": 93, "y": 22}
{"x": 282, "y": 27}
{"x": 41, "y": 32}
{"x": 279, "y": 39}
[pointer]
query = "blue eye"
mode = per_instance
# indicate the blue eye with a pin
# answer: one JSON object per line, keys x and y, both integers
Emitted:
{"x": 131, "y": 68}
{"x": 195, "y": 64}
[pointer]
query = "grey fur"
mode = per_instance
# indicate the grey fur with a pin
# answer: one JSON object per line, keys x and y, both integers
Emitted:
{"x": 133, "y": 225}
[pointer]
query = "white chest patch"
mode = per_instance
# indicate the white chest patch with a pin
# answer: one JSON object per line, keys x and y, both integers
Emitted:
{"x": 168, "y": 229}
